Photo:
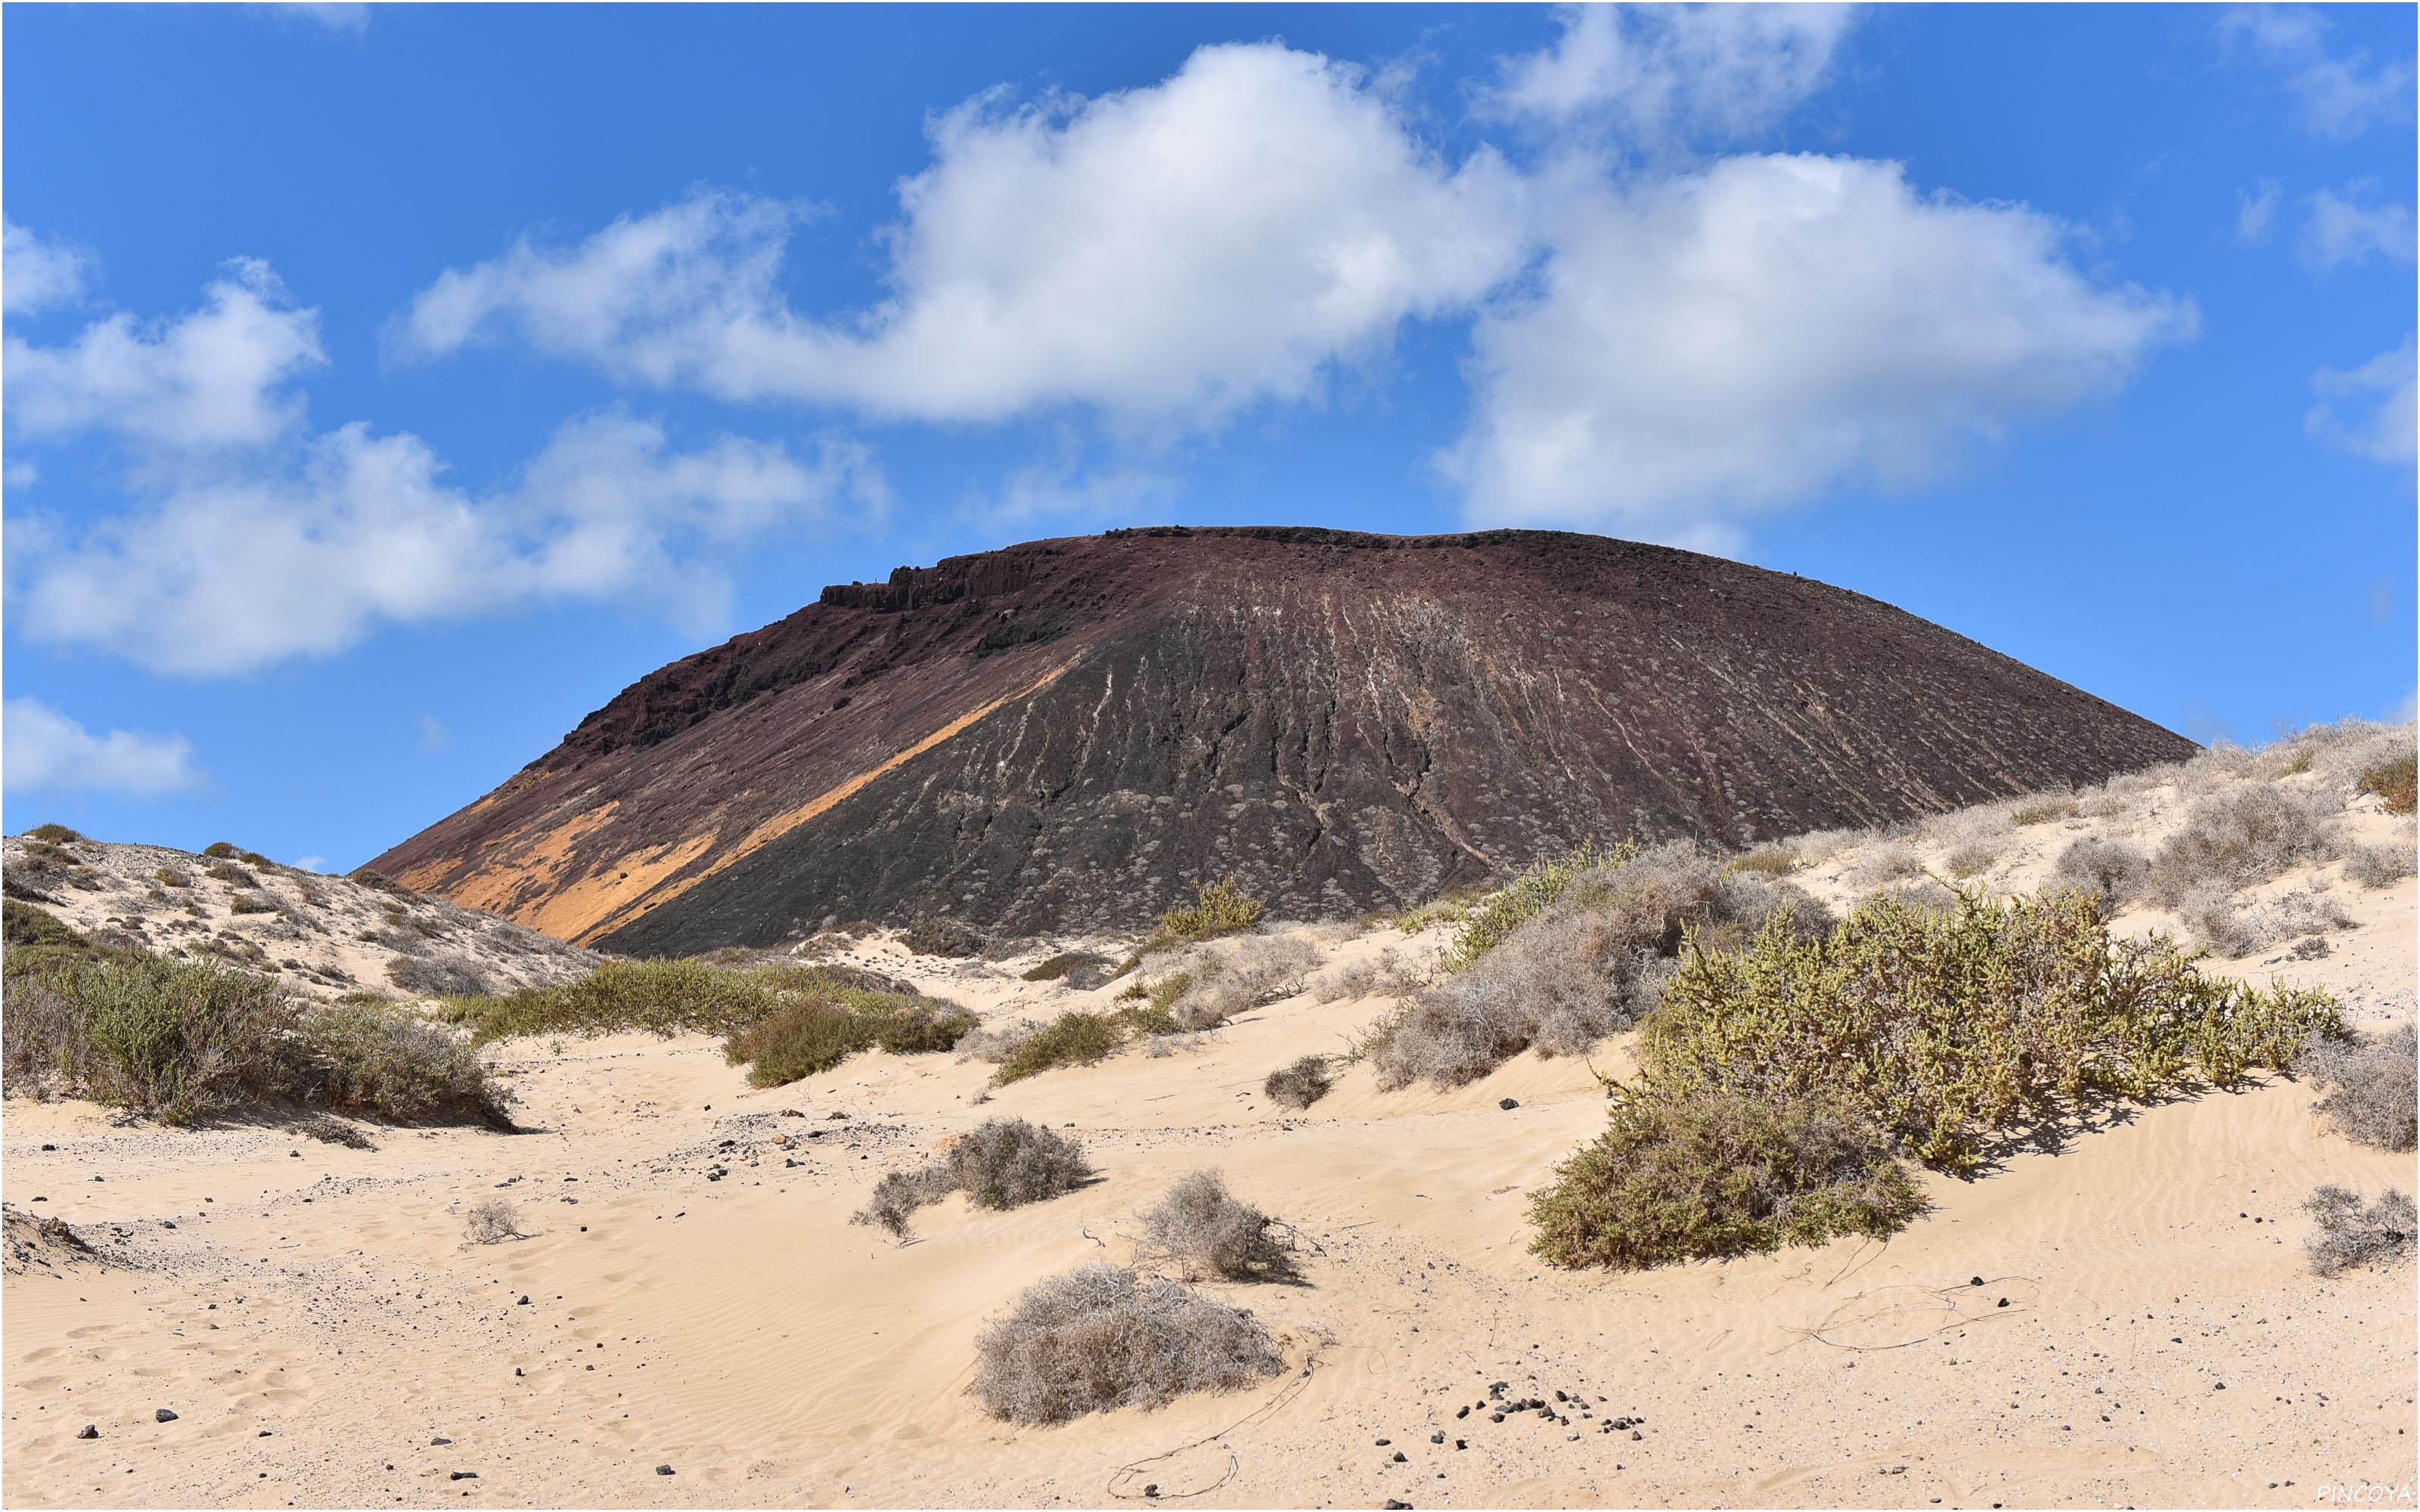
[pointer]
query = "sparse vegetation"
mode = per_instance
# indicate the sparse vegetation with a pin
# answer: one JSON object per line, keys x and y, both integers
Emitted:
{"x": 54, "y": 834}
{"x": 252, "y": 903}
{"x": 2396, "y": 783}
{"x": 1893, "y": 861}
{"x": 2111, "y": 871}
{"x": 1201, "y": 1229}
{"x": 1382, "y": 975}
{"x": 34, "y": 941}
{"x": 1451, "y": 908}
{"x": 232, "y": 874}
{"x": 1216, "y": 983}
{"x": 1492, "y": 919}
{"x": 2245, "y": 834}
{"x": 1973, "y": 858}
{"x": 1101, "y": 1338}
{"x": 2346, "y": 1235}
{"x": 2373, "y": 1086}
{"x": 1690, "y": 1178}
{"x": 1075, "y": 1039}
{"x": 942, "y": 937}
{"x": 1222, "y": 907}
{"x": 1002, "y": 1163}
{"x": 1942, "y": 1034}
{"x": 1586, "y": 967}
{"x": 493, "y": 1221}
{"x": 219, "y": 849}
{"x": 1059, "y": 965}
{"x": 168, "y": 876}
{"x": 1299, "y": 1085}
{"x": 2379, "y": 866}
{"x": 1769, "y": 860}
{"x": 438, "y": 976}
{"x": 814, "y": 1032}
{"x": 2042, "y": 812}
{"x": 370, "y": 1058}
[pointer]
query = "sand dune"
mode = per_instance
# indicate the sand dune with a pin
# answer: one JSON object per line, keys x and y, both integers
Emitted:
{"x": 2145, "y": 1333}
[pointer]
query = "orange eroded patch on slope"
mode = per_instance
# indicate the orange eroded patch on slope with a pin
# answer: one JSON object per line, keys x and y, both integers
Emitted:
{"x": 528, "y": 862}
{"x": 580, "y": 909}
{"x": 606, "y": 919}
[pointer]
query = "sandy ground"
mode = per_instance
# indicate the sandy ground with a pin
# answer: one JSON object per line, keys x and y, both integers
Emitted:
{"x": 691, "y": 1294}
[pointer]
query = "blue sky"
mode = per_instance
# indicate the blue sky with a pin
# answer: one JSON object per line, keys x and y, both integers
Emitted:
{"x": 387, "y": 387}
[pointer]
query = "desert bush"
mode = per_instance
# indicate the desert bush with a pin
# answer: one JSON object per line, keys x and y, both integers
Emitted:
{"x": 379, "y": 882}
{"x": 1717, "y": 1175}
{"x": 660, "y": 995}
{"x": 2109, "y": 870}
{"x": 330, "y": 1130}
{"x": 232, "y": 874}
{"x": 942, "y": 937}
{"x": 219, "y": 849}
{"x": 2042, "y": 812}
{"x": 493, "y": 1221}
{"x": 1100, "y": 1339}
{"x": 438, "y": 976}
{"x": 2379, "y": 866}
{"x": 1493, "y": 919}
{"x": 1587, "y": 966}
{"x": 1451, "y": 908}
{"x": 1771, "y": 860}
{"x": 1299, "y": 1085}
{"x": 54, "y": 834}
{"x": 812, "y": 1033}
{"x": 1950, "y": 1030}
{"x": 2245, "y": 834}
{"x": 1071, "y": 1039}
{"x": 1201, "y": 1229}
{"x": 1885, "y": 864}
{"x": 2373, "y": 1090}
{"x": 176, "y": 1039}
{"x": 2346, "y": 1235}
{"x": 1381, "y": 976}
{"x": 1222, "y": 907}
{"x": 1001, "y": 1163}
{"x": 34, "y": 940}
{"x": 1222, "y": 981}
{"x": 367, "y": 1056}
{"x": 252, "y": 903}
{"x": 995, "y": 1042}
{"x": 1970, "y": 859}
{"x": 168, "y": 876}
{"x": 1065, "y": 962}
{"x": 2397, "y": 783}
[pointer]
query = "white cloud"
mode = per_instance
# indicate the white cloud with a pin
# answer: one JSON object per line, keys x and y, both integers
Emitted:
{"x": 311, "y": 863}
{"x": 2384, "y": 402}
{"x": 1653, "y": 74}
{"x": 35, "y": 273}
{"x": 1747, "y": 337}
{"x": 435, "y": 739}
{"x": 2338, "y": 97}
{"x": 225, "y": 572}
{"x": 2342, "y": 230}
{"x": 44, "y": 751}
{"x": 1170, "y": 253}
{"x": 210, "y": 378}
{"x": 2254, "y": 213}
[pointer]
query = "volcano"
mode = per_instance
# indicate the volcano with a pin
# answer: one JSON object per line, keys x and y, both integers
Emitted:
{"x": 1060, "y": 736}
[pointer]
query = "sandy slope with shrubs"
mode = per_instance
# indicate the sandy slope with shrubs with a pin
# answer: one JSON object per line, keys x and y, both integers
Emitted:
{"x": 321, "y": 935}
{"x": 2133, "y": 1321}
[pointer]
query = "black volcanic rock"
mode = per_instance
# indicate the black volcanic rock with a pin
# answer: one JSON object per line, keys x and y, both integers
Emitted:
{"x": 1060, "y": 735}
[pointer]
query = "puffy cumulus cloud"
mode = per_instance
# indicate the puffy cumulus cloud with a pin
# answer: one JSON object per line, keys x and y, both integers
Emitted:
{"x": 2343, "y": 229}
{"x": 1166, "y": 255}
{"x": 2338, "y": 96}
{"x": 229, "y": 571}
{"x": 213, "y": 377}
{"x": 1653, "y": 74}
{"x": 43, "y": 750}
{"x": 1749, "y": 336}
{"x": 36, "y": 275}
{"x": 2369, "y": 411}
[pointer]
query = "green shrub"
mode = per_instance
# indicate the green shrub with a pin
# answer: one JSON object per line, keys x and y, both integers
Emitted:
{"x": 1450, "y": 909}
{"x": 1220, "y": 907}
{"x": 1072, "y": 1039}
{"x": 379, "y": 882}
{"x": 814, "y": 1033}
{"x": 176, "y": 1039}
{"x": 1950, "y": 1028}
{"x": 168, "y": 876}
{"x": 232, "y": 874}
{"x": 1063, "y": 962}
{"x": 54, "y": 834}
{"x": 252, "y": 902}
{"x": 374, "y": 1058}
{"x": 34, "y": 941}
{"x": 219, "y": 849}
{"x": 662, "y": 996}
{"x": 2044, "y": 811}
{"x": 1771, "y": 860}
{"x": 2395, "y": 782}
{"x": 1718, "y": 1175}
{"x": 1497, "y": 915}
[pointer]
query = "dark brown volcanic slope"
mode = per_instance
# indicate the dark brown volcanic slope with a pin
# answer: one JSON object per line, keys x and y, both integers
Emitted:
{"x": 1061, "y": 734}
